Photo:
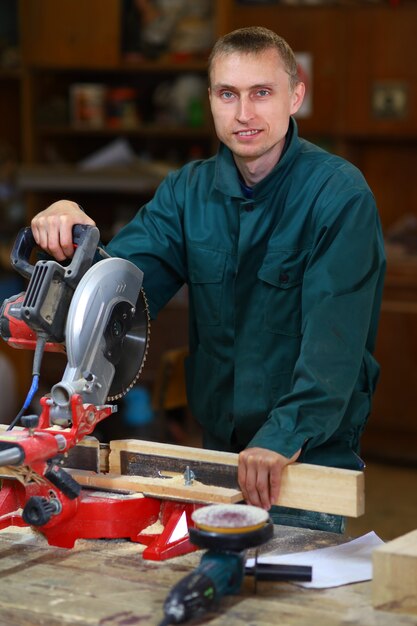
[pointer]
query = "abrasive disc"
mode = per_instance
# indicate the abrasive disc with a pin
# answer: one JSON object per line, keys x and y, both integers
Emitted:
{"x": 229, "y": 518}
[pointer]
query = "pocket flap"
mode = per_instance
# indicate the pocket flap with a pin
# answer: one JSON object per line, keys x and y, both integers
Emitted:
{"x": 282, "y": 269}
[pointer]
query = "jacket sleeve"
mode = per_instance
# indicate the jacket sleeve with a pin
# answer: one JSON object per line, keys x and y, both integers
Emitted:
{"x": 153, "y": 240}
{"x": 341, "y": 296}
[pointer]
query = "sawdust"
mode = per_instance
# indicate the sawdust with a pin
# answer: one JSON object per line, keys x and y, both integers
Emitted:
{"x": 29, "y": 536}
{"x": 153, "y": 529}
{"x": 26, "y": 534}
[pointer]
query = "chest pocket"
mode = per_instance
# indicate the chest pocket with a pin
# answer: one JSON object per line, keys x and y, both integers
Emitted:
{"x": 281, "y": 277}
{"x": 206, "y": 271}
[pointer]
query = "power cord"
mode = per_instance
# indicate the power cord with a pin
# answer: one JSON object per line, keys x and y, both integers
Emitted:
{"x": 37, "y": 360}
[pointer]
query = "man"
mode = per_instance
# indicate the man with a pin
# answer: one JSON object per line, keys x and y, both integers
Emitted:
{"x": 281, "y": 247}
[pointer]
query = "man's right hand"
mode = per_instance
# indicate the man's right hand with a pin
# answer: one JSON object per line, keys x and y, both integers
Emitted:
{"x": 52, "y": 228}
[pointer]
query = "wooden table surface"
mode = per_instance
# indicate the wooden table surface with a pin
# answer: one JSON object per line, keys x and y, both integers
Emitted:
{"x": 107, "y": 583}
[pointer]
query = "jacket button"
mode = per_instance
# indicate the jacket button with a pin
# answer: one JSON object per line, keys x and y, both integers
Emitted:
{"x": 249, "y": 207}
{"x": 284, "y": 278}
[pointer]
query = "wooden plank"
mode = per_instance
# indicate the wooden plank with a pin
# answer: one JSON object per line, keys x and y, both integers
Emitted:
{"x": 394, "y": 584}
{"x": 166, "y": 488}
{"x": 323, "y": 489}
{"x": 312, "y": 487}
{"x": 166, "y": 450}
{"x": 136, "y": 464}
{"x": 104, "y": 457}
{"x": 85, "y": 455}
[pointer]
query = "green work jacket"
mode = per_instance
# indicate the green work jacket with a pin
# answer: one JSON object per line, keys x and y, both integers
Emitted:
{"x": 284, "y": 297}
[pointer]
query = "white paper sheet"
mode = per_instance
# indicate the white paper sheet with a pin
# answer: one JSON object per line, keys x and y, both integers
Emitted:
{"x": 347, "y": 563}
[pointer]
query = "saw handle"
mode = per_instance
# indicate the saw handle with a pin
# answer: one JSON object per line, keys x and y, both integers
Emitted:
{"x": 85, "y": 239}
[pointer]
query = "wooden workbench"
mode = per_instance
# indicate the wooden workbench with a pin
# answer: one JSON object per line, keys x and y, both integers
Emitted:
{"x": 107, "y": 583}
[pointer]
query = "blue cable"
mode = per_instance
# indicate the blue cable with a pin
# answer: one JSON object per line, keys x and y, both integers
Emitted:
{"x": 33, "y": 389}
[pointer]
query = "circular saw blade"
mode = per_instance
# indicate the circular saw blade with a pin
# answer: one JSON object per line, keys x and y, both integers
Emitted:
{"x": 135, "y": 350}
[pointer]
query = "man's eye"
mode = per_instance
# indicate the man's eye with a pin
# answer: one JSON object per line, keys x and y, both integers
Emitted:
{"x": 227, "y": 95}
{"x": 263, "y": 92}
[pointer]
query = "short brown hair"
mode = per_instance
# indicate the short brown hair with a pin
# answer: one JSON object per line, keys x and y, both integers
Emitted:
{"x": 253, "y": 40}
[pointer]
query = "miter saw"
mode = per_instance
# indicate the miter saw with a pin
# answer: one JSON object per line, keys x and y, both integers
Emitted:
{"x": 95, "y": 311}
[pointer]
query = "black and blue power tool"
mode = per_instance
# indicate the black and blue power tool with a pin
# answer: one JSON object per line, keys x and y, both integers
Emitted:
{"x": 226, "y": 532}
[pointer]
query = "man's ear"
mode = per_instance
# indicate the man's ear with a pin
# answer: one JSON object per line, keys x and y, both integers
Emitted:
{"x": 297, "y": 97}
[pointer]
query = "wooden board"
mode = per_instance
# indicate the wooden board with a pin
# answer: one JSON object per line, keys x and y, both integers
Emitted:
{"x": 167, "y": 450}
{"x": 89, "y": 454}
{"x": 85, "y": 455}
{"x": 136, "y": 464}
{"x": 167, "y": 488}
{"x": 394, "y": 584}
{"x": 312, "y": 487}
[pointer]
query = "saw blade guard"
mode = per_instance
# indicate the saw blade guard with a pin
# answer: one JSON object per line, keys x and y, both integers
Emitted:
{"x": 106, "y": 328}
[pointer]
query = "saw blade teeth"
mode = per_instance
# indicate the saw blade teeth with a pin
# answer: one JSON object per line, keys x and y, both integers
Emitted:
{"x": 122, "y": 393}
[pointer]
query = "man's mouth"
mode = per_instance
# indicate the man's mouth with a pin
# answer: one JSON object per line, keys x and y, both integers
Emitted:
{"x": 247, "y": 133}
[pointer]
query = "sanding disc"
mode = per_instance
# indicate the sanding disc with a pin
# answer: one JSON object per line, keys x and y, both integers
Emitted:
{"x": 230, "y": 518}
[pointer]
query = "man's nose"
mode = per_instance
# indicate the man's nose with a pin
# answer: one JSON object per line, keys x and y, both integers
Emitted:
{"x": 245, "y": 110}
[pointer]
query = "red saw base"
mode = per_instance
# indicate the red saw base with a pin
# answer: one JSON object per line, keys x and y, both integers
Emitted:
{"x": 105, "y": 515}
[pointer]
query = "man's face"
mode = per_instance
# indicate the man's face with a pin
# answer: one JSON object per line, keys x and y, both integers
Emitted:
{"x": 251, "y": 102}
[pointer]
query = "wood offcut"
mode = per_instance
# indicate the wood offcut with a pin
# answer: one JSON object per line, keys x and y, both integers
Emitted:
{"x": 394, "y": 584}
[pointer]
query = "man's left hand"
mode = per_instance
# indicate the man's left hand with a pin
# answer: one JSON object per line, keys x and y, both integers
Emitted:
{"x": 259, "y": 475}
